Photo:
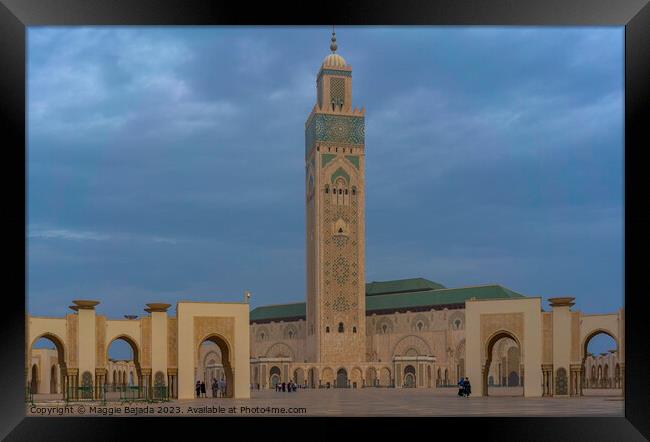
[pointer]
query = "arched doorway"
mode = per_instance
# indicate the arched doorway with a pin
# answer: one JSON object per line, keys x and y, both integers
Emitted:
{"x": 356, "y": 378}
{"x": 371, "y": 377}
{"x": 313, "y": 377}
{"x": 600, "y": 352}
{"x": 299, "y": 376}
{"x": 210, "y": 370}
{"x": 502, "y": 346}
{"x": 274, "y": 376}
{"x": 47, "y": 370}
{"x": 225, "y": 351}
{"x": 34, "y": 379}
{"x": 513, "y": 363}
{"x": 54, "y": 379}
{"x": 341, "y": 378}
{"x": 409, "y": 377}
{"x": 385, "y": 379}
{"x": 122, "y": 353}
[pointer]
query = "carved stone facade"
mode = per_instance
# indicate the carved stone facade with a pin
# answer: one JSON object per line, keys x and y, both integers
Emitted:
{"x": 335, "y": 205}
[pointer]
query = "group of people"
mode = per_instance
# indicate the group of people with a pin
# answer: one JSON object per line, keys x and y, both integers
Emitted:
{"x": 464, "y": 387}
{"x": 286, "y": 386}
{"x": 218, "y": 388}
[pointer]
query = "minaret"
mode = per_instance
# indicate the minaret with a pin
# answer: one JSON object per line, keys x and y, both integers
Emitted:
{"x": 335, "y": 206}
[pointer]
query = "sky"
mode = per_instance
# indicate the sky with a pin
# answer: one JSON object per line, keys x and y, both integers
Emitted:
{"x": 167, "y": 164}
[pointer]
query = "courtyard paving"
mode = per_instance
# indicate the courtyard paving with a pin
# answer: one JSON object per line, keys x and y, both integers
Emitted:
{"x": 364, "y": 402}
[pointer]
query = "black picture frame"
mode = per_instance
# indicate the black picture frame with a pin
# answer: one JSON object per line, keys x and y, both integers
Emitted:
{"x": 16, "y": 15}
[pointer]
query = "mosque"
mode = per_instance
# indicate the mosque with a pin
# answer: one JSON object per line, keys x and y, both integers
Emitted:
{"x": 402, "y": 333}
{"x": 410, "y": 333}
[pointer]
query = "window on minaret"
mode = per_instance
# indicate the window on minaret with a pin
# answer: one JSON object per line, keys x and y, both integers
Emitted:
{"x": 337, "y": 92}
{"x": 327, "y": 329}
{"x": 354, "y": 329}
{"x": 340, "y": 327}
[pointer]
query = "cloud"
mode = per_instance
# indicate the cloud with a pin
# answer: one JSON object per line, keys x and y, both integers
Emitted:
{"x": 81, "y": 235}
{"x": 170, "y": 161}
{"x": 69, "y": 235}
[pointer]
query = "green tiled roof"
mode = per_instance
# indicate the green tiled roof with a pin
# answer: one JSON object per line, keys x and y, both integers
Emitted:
{"x": 401, "y": 286}
{"x": 437, "y": 297}
{"x": 279, "y": 311}
{"x": 395, "y": 301}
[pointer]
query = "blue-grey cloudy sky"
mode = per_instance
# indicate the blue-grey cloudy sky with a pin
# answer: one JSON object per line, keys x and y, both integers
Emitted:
{"x": 167, "y": 163}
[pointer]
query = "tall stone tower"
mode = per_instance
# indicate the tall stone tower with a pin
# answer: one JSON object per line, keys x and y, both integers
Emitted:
{"x": 335, "y": 205}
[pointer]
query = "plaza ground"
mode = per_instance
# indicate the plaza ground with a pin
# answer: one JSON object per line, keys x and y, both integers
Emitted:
{"x": 364, "y": 402}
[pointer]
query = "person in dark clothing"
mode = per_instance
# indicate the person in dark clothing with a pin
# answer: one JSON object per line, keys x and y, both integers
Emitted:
{"x": 461, "y": 387}
{"x": 203, "y": 389}
{"x": 198, "y": 388}
{"x": 215, "y": 387}
{"x": 284, "y": 386}
{"x": 468, "y": 387}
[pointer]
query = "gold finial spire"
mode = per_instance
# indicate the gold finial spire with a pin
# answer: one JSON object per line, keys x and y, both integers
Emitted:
{"x": 333, "y": 44}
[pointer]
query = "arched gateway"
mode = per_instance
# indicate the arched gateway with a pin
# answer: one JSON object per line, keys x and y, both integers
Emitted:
{"x": 165, "y": 349}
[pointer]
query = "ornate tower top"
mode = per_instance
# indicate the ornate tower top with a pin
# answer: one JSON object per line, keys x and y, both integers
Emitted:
{"x": 334, "y": 60}
{"x": 333, "y": 44}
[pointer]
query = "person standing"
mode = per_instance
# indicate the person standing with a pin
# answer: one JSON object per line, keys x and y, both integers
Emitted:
{"x": 468, "y": 387}
{"x": 461, "y": 387}
{"x": 203, "y": 394}
{"x": 198, "y": 388}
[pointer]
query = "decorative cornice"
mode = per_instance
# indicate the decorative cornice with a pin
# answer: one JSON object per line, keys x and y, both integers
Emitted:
{"x": 562, "y": 302}
{"x": 157, "y": 307}
{"x": 85, "y": 304}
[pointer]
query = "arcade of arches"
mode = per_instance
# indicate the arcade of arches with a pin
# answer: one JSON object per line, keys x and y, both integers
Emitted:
{"x": 405, "y": 357}
{"x": 166, "y": 350}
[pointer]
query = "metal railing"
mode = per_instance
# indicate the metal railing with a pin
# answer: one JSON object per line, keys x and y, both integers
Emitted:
{"x": 86, "y": 393}
{"x": 29, "y": 395}
{"x": 158, "y": 393}
{"x": 131, "y": 393}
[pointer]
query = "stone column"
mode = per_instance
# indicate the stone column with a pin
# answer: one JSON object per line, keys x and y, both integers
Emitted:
{"x": 622, "y": 378}
{"x": 547, "y": 369}
{"x": 86, "y": 337}
{"x": 100, "y": 375}
{"x": 575, "y": 379}
{"x": 159, "y": 337}
{"x": 72, "y": 381}
{"x": 562, "y": 335}
{"x": 146, "y": 382}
